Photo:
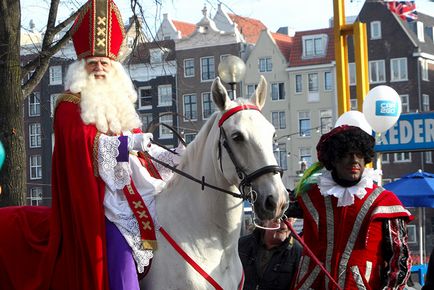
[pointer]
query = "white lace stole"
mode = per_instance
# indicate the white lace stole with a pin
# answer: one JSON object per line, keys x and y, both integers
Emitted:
{"x": 115, "y": 174}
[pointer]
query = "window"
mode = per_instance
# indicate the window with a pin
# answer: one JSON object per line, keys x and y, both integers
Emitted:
{"x": 425, "y": 103}
{"x": 314, "y": 45}
{"x": 420, "y": 31}
{"x": 424, "y": 66}
{"x": 55, "y": 73}
{"x": 165, "y": 95}
{"x": 250, "y": 90}
{"x": 398, "y": 69}
{"x": 146, "y": 120}
{"x": 404, "y": 101}
{"x": 53, "y": 100}
{"x": 145, "y": 97}
{"x": 305, "y": 156}
{"x": 313, "y": 82}
{"x": 375, "y": 30}
{"x": 207, "y": 68}
{"x": 352, "y": 73}
{"x": 385, "y": 158}
{"x": 35, "y": 167}
{"x": 298, "y": 83}
{"x": 35, "y": 135}
{"x": 189, "y": 137}
{"x": 189, "y": 67}
{"x": 190, "y": 107}
{"x": 328, "y": 81}
{"x": 402, "y": 157}
{"x": 265, "y": 64}
{"x": 156, "y": 55}
{"x": 377, "y": 71}
{"x": 34, "y": 104}
{"x": 35, "y": 196}
{"x": 304, "y": 123}
{"x": 278, "y": 120}
{"x": 428, "y": 157}
{"x": 277, "y": 91}
{"x": 353, "y": 104}
{"x": 281, "y": 156}
{"x": 165, "y": 133}
{"x": 208, "y": 106}
{"x": 412, "y": 237}
{"x": 326, "y": 121}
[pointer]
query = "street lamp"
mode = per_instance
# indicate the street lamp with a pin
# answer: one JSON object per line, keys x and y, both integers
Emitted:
{"x": 232, "y": 70}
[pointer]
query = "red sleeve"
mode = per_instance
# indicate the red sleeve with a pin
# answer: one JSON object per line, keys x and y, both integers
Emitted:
{"x": 78, "y": 224}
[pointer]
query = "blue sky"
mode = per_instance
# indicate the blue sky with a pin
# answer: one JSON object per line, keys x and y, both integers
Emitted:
{"x": 297, "y": 14}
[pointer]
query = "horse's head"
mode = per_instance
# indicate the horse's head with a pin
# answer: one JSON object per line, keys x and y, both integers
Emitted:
{"x": 246, "y": 148}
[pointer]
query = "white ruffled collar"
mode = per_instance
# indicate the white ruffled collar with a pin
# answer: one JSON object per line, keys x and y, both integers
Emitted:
{"x": 345, "y": 195}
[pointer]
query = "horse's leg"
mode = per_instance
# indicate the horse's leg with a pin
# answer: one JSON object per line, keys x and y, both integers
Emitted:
{"x": 120, "y": 262}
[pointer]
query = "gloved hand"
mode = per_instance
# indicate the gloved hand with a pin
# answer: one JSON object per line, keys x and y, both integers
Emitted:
{"x": 140, "y": 141}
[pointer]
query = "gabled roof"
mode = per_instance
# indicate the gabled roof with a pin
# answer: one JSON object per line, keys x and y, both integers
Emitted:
{"x": 296, "y": 57}
{"x": 141, "y": 53}
{"x": 184, "y": 27}
{"x": 283, "y": 42}
{"x": 250, "y": 28}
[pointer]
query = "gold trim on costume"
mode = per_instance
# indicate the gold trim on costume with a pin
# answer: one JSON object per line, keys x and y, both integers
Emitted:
{"x": 95, "y": 154}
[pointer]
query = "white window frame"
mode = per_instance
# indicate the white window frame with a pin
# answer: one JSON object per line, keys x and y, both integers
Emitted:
{"x": 34, "y": 104}
{"x": 189, "y": 137}
{"x": 428, "y": 157}
{"x": 193, "y": 105}
{"x": 155, "y": 55}
{"x": 35, "y": 135}
{"x": 298, "y": 79}
{"x": 305, "y": 154}
{"x": 165, "y": 95}
{"x": 35, "y": 196}
{"x": 208, "y": 107}
{"x": 328, "y": 81}
{"x": 398, "y": 69}
{"x": 405, "y": 105}
{"x": 385, "y": 158}
{"x": 53, "y": 101}
{"x": 314, "y": 45}
{"x": 144, "y": 107}
{"x": 425, "y": 103}
{"x": 166, "y": 133}
{"x": 399, "y": 157}
{"x": 412, "y": 234}
{"x": 353, "y": 104}
{"x": 189, "y": 70}
{"x": 313, "y": 84}
{"x": 55, "y": 75}
{"x": 35, "y": 167}
{"x": 281, "y": 155}
{"x": 420, "y": 31}
{"x": 207, "y": 62}
{"x": 352, "y": 73}
{"x": 380, "y": 70}
{"x": 250, "y": 89}
{"x": 146, "y": 119}
{"x": 304, "y": 116}
{"x": 325, "y": 120}
{"x": 425, "y": 68}
{"x": 265, "y": 64}
{"x": 278, "y": 119}
{"x": 278, "y": 91}
{"x": 375, "y": 29}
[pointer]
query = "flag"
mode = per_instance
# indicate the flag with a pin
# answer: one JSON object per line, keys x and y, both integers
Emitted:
{"x": 406, "y": 10}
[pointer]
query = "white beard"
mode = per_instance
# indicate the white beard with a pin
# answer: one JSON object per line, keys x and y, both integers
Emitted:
{"x": 108, "y": 103}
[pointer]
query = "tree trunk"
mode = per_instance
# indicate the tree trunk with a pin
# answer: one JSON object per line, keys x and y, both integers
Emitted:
{"x": 13, "y": 173}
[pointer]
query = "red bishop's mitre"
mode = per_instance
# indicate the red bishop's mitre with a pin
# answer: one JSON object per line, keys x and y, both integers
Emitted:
{"x": 98, "y": 30}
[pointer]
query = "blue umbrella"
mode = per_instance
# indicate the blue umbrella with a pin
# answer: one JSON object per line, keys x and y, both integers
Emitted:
{"x": 415, "y": 189}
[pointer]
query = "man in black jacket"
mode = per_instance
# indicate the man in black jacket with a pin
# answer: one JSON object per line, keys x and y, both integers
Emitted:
{"x": 270, "y": 257}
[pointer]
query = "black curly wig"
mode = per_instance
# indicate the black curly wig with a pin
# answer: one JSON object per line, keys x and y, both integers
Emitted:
{"x": 341, "y": 140}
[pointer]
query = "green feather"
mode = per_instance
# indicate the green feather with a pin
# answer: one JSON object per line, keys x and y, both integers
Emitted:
{"x": 307, "y": 179}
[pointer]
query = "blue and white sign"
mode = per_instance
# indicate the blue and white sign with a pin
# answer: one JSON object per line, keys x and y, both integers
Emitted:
{"x": 412, "y": 132}
{"x": 386, "y": 108}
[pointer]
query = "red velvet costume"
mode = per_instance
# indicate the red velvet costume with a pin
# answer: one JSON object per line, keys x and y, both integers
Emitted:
{"x": 356, "y": 248}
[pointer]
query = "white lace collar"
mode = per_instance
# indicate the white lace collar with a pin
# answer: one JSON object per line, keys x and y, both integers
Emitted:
{"x": 345, "y": 195}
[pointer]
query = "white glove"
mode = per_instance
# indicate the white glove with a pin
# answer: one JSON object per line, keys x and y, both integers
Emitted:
{"x": 140, "y": 141}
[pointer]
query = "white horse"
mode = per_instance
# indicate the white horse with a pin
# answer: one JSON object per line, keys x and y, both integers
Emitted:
{"x": 205, "y": 224}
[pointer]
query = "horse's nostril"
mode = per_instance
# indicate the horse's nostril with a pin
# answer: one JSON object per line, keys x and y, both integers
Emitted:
{"x": 270, "y": 203}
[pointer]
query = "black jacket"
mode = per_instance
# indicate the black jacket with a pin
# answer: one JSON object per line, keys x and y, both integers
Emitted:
{"x": 280, "y": 270}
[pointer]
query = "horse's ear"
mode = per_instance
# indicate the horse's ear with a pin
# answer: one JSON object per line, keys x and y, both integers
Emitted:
{"x": 260, "y": 95}
{"x": 219, "y": 94}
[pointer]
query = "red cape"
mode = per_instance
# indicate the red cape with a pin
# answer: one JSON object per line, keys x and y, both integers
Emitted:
{"x": 69, "y": 239}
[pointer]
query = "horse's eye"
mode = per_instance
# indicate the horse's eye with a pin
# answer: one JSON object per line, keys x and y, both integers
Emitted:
{"x": 237, "y": 137}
